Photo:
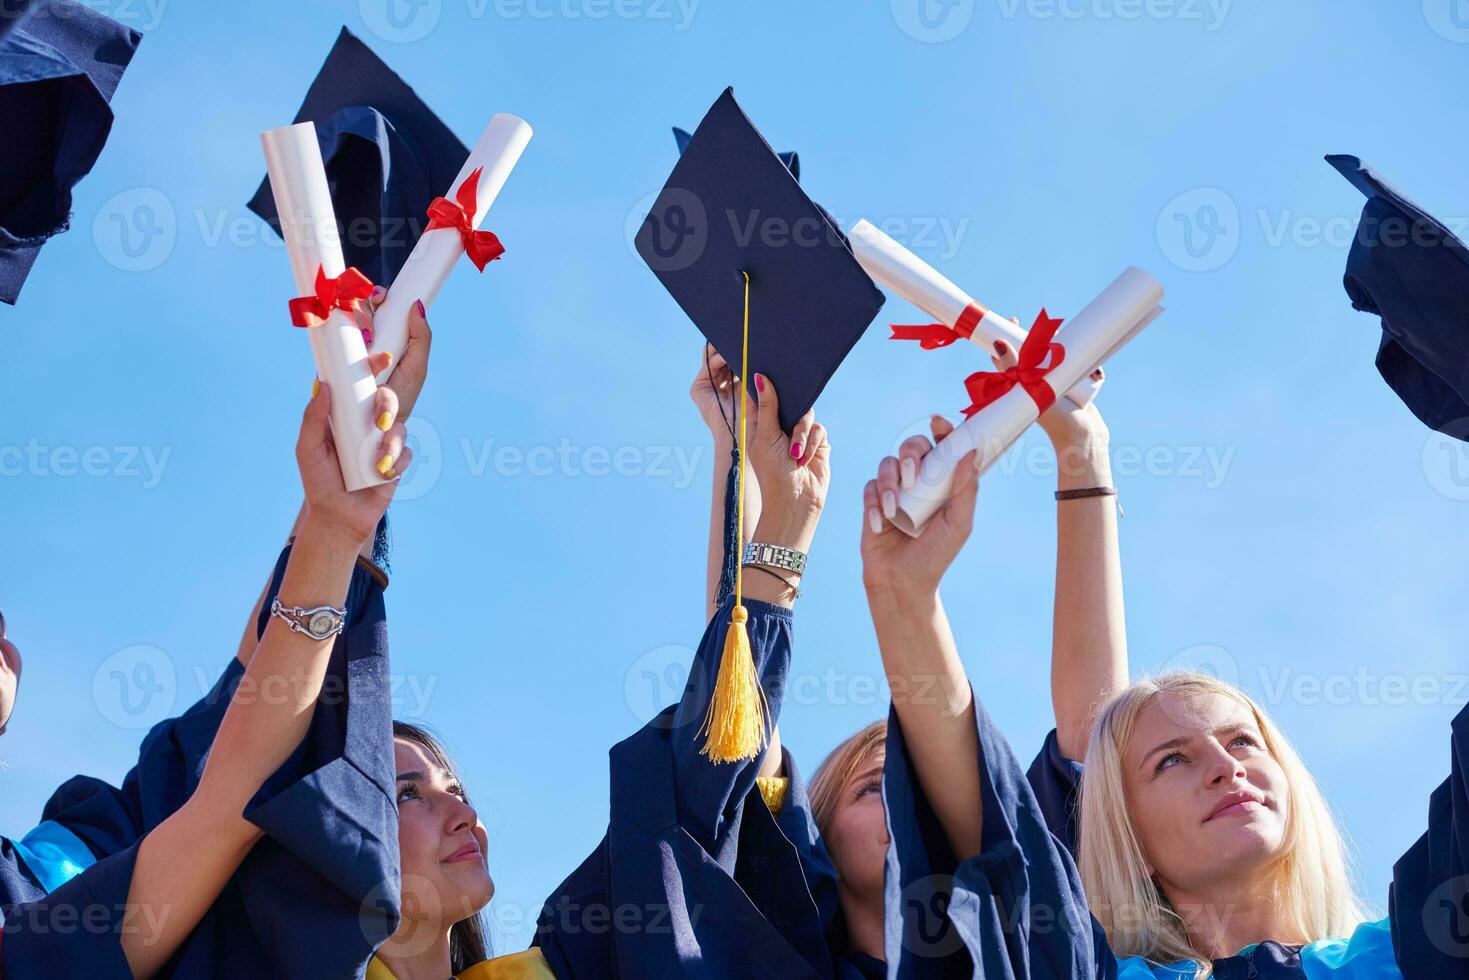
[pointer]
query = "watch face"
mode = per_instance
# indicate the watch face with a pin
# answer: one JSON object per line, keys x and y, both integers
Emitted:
{"x": 321, "y": 624}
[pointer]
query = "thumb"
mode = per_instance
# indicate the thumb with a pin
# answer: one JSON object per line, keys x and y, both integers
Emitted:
{"x": 768, "y": 414}
{"x": 314, "y": 421}
{"x": 960, "y": 507}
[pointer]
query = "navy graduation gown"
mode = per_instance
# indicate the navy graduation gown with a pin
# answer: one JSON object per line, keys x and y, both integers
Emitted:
{"x": 695, "y": 877}
{"x": 316, "y": 895}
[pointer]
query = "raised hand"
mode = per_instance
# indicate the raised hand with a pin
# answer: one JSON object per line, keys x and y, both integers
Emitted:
{"x": 794, "y": 472}
{"x": 329, "y": 506}
{"x": 9, "y": 676}
{"x": 893, "y": 561}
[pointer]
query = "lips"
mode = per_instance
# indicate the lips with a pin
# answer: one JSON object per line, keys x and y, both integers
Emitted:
{"x": 469, "y": 851}
{"x": 1236, "y": 803}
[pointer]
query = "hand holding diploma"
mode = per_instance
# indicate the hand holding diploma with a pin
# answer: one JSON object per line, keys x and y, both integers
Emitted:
{"x": 1007, "y": 402}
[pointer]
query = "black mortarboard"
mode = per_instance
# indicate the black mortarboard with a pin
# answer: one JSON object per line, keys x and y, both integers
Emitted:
{"x": 1413, "y": 272}
{"x": 58, "y": 69}
{"x": 731, "y": 206}
{"x": 387, "y": 157}
{"x": 792, "y": 160}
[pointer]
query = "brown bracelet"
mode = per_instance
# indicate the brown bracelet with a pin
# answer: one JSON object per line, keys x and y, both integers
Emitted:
{"x": 795, "y": 590}
{"x": 1087, "y": 492}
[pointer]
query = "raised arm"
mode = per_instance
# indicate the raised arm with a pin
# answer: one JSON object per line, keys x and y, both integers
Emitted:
{"x": 931, "y": 693}
{"x": 184, "y": 863}
{"x": 407, "y": 384}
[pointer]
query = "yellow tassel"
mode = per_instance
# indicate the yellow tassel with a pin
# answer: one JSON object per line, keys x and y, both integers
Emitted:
{"x": 736, "y": 723}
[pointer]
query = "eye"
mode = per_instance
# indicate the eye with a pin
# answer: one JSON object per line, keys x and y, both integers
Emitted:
{"x": 456, "y": 789}
{"x": 1246, "y": 739}
{"x": 408, "y": 791}
{"x": 873, "y": 785}
{"x": 1168, "y": 761}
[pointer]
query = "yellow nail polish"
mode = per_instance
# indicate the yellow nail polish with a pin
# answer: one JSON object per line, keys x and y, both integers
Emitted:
{"x": 385, "y": 421}
{"x": 385, "y": 465}
{"x": 389, "y": 355}
{"x": 315, "y": 388}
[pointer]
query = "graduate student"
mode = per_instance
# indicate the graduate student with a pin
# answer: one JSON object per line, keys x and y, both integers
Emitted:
{"x": 245, "y": 877}
{"x": 1089, "y": 665}
{"x": 1205, "y": 847}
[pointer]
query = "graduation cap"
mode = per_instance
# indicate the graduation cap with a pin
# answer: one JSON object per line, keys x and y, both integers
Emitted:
{"x": 1410, "y": 270}
{"x": 387, "y": 157}
{"x": 60, "y": 62}
{"x": 792, "y": 160}
{"x": 771, "y": 282}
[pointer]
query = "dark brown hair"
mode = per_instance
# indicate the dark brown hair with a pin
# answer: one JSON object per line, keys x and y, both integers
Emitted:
{"x": 467, "y": 942}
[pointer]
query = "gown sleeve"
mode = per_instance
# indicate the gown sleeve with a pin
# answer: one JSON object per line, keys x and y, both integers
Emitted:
{"x": 1056, "y": 782}
{"x": 695, "y": 877}
{"x": 318, "y": 893}
{"x": 1015, "y": 910}
{"x": 1428, "y": 901}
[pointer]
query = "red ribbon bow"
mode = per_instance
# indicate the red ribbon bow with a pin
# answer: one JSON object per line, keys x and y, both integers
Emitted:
{"x": 482, "y": 247}
{"x": 1038, "y": 355}
{"x": 340, "y": 293}
{"x": 932, "y": 336}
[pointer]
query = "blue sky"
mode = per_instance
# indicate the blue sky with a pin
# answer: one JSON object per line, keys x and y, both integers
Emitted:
{"x": 1288, "y": 521}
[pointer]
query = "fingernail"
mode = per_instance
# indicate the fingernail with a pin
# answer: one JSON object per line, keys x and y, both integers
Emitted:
{"x": 1000, "y": 347}
{"x": 385, "y": 465}
{"x": 418, "y": 305}
{"x": 385, "y": 421}
{"x": 315, "y": 388}
{"x": 367, "y": 336}
{"x": 389, "y": 355}
{"x": 378, "y": 292}
{"x": 889, "y": 504}
{"x": 760, "y": 382}
{"x": 795, "y": 450}
{"x": 910, "y": 474}
{"x": 874, "y": 520}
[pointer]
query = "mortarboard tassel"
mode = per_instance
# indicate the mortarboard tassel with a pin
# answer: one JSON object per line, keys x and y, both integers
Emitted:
{"x": 735, "y": 725}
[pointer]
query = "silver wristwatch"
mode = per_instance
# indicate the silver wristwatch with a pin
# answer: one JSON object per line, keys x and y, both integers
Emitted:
{"x": 318, "y": 623}
{"x": 775, "y": 556}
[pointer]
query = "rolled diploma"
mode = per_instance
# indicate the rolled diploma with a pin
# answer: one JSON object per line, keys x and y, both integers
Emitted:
{"x": 433, "y": 257}
{"x": 893, "y": 266}
{"x": 308, "y": 225}
{"x": 1107, "y": 322}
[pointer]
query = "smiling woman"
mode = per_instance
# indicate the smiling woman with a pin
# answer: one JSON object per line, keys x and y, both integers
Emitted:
{"x": 1192, "y": 801}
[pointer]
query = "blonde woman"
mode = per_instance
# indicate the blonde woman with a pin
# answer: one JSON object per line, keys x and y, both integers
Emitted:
{"x": 1205, "y": 847}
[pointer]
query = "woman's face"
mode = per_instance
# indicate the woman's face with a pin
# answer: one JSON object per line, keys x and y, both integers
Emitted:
{"x": 1208, "y": 799}
{"x": 443, "y": 845}
{"x": 857, "y": 835}
{"x": 9, "y": 676}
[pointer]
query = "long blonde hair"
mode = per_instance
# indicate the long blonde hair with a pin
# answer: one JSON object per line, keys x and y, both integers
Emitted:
{"x": 838, "y": 767}
{"x": 1314, "y": 887}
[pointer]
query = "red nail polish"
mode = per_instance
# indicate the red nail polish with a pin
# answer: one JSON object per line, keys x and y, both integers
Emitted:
{"x": 795, "y": 450}
{"x": 1000, "y": 347}
{"x": 418, "y": 304}
{"x": 760, "y": 383}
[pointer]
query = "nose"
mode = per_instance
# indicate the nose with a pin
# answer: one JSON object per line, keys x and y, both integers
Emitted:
{"x": 1222, "y": 767}
{"x": 460, "y": 815}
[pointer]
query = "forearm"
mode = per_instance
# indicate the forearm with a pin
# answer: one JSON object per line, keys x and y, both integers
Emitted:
{"x": 1089, "y": 635}
{"x": 935, "y": 707}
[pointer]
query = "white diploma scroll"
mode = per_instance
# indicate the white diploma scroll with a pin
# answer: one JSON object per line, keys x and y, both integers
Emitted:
{"x": 1106, "y": 324}
{"x": 308, "y": 225}
{"x": 893, "y": 266}
{"x": 434, "y": 256}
